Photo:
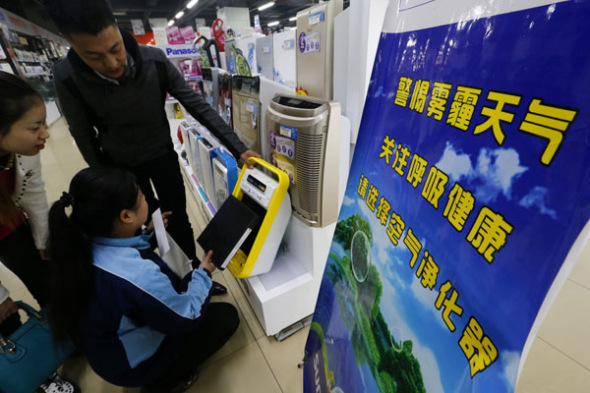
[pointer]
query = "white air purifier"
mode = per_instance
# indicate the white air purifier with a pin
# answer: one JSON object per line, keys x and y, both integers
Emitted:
{"x": 211, "y": 86}
{"x": 284, "y": 58}
{"x": 315, "y": 40}
{"x": 206, "y": 145}
{"x": 265, "y": 56}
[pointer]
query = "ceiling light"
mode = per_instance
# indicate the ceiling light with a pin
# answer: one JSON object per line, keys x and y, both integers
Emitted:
{"x": 276, "y": 22}
{"x": 192, "y": 3}
{"x": 292, "y": 19}
{"x": 119, "y": 13}
{"x": 171, "y": 22}
{"x": 179, "y": 15}
{"x": 265, "y": 6}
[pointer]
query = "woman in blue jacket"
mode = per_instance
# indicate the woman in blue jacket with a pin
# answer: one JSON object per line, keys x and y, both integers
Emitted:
{"x": 136, "y": 321}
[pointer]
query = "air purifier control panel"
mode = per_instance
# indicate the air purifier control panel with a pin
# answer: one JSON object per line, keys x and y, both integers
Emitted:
{"x": 258, "y": 186}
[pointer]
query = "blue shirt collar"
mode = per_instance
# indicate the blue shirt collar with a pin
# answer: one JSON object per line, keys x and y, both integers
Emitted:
{"x": 140, "y": 242}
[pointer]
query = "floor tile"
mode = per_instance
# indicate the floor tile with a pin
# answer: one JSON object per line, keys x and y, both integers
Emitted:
{"x": 284, "y": 357}
{"x": 568, "y": 323}
{"x": 10, "y": 281}
{"x": 549, "y": 371}
{"x": 244, "y": 305}
{"x": 246, "y": 371}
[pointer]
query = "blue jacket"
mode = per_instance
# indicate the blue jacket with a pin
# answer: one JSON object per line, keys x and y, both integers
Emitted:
{"x": 139, "y": 312}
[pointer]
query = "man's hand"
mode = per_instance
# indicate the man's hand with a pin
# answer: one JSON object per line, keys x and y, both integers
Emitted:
{"x": 150, "y": 226}
{"x": 7, "y": 308}
{"x": 207, "y": 264}
{"x": 247, "y": 154}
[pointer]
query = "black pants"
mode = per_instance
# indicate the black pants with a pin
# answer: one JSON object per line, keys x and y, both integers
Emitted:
{"x": 19, "y": 253}
{"x": 164, "y": 173}
{"x": 219, "y": 322}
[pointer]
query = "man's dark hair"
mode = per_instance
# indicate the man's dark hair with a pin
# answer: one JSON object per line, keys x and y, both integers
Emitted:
{"x": 80, "y": 17}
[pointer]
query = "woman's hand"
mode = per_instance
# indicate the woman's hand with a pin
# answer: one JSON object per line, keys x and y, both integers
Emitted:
{"x": 7, "y": 308}
{"x": 207, "y": 264}
{"x": 150, "y": 226}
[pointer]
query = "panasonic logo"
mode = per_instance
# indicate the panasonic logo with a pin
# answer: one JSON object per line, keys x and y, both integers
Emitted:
{"x": 171, "y": 51}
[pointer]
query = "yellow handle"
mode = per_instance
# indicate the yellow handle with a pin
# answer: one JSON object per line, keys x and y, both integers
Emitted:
{"x": 283, "y": 177}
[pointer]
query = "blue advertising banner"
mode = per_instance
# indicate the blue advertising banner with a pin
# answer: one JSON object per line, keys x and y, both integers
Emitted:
{"x": 470, "y": 183}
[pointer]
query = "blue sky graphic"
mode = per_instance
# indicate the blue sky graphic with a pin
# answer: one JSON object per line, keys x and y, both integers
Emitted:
{"x": 522, "y": 53}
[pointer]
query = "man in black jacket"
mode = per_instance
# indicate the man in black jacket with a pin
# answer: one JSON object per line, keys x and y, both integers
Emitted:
{"x": 112, "y": 93}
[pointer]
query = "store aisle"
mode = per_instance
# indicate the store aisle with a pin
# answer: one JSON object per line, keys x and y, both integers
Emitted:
{"x": 252, "y": 362}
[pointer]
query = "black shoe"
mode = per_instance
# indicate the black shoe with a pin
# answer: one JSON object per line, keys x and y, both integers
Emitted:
{"x": 218, "y": 289}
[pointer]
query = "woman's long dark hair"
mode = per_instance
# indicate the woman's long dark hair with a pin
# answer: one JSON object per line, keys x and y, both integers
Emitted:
{"x": 17, "y": 97}
{"x": 97, "y": 196}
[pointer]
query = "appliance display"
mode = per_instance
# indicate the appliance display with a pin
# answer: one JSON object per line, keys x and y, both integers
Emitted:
{"x": 284, "y": 58}
{"x": 247, "y": 45}
{"x": 265, "y": 56}
{"x": 210, "y": 86}
{"x": 266, "y": 194}
{"x": 225, "y": 98}
{"x": 246, "y": 110}
{"x": 225, "y": 175}
{"x": 304, "y": 138}
{"x": 315, "y": 38}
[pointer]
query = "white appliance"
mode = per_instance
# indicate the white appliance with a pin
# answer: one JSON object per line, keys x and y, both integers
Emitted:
{"x": 284, "y": 58}
{"x": 268, "y": 89}
{"x": 265, "y": 56}
{"x": 211, "y": 86}
{"x": 247, "y": 44}
{"x": 225, "y": 175}
{"x": 304, "y": 139}
{"x": 246, "y": 110}
{"x": 206, "y": 145}
{"x": 315, "y": 38}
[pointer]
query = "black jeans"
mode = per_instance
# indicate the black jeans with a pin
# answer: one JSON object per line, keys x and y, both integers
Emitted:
{"x": 219, "y": 323}
{"x": 164, "y": 173}
{"x": 19, "y": 253}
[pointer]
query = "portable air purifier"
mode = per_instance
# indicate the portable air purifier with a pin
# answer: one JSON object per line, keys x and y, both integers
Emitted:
{"x": 304, "y": 139}
{"x": 225, "y": 175}
{"x": 266, "y": 194}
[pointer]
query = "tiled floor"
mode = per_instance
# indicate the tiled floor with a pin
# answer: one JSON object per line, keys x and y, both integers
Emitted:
{"x": 251, "y": 362}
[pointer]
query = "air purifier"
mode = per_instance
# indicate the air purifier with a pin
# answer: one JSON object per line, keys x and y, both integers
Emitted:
{"x": 246, "y": 110}
{"x": 304, "y": 140}
{"x": 206, "y": 145}
{"x": 266, "y": 194}
{"x": 268, "y": 89}
{"x": 247, "y": 45}
{"x": 225, "y": 98}
{"x": 315, "y": 37}
{"x": 265, "y": 57}
{"x": 284, "y": 58}
{"x": 225, "y": 175}
{"x": 210, "y": 86}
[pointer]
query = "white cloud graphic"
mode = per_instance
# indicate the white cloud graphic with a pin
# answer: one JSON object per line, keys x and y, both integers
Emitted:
{"x": 493, "y": 174}
{"x": 456, "y": 165}
{"x": 536, "y": 198}
{"x": 510, "y": 360}
{"x": 347, "y": 201}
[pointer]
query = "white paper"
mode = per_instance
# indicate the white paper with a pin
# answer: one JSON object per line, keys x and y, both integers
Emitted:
{"x": 160, "y": 231}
